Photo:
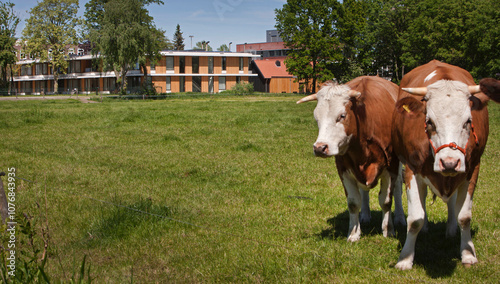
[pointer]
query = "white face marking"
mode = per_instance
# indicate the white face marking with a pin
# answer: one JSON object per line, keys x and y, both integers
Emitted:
{"x": 448, "y": 120}
{"x": 430, "y": 76}
{"x": 330, "y": 113}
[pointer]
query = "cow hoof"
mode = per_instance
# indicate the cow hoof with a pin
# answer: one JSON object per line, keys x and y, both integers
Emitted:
{"x": 469, "y": 261}
{"x": 404, "y": 265}
{"x": 353, "y": 238}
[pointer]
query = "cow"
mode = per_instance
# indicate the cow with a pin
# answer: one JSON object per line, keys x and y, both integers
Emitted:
{"x": 440, "y": 130}
{"x": 491, "y": 88}
{"x": 354, "y": 122}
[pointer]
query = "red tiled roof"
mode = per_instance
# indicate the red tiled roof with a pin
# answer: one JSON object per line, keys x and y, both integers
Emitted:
{"x": 269, "y": 68}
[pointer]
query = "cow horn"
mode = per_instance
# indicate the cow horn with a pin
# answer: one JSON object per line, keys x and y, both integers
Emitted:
{"x": 354, "y": 94}
{"x": 474, "y": 89}
{"x": 422, "y": 91}
{"x": 312, "y": 97}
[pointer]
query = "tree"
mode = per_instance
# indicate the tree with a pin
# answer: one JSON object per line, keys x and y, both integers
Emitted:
{"x": 178, "y": 39}
{"x": 308, "y": 28}
{"x": 388, "y": 22}
{"x": 352, "y": 29}
{"x": 8, "y": 25}
{"x": 124, "y": 34}
{"x": 223, "y": 47}
{"x": 203, "y": 45}
{"x": 49, "y": 30}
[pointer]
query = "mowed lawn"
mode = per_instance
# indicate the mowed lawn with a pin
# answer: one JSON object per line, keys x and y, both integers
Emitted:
{"x": 228, "y": 190}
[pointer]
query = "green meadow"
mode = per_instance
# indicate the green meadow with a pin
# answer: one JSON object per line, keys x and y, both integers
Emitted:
{"x": 213, "y": 189}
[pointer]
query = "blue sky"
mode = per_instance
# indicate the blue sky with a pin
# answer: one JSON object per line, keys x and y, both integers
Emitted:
{"x": 218, "y": 21}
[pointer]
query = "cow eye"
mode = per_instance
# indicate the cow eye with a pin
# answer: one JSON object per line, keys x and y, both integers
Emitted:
{"x": 467, "y": 123}
{"x": 341, "y": 117}
{"x": 429, "y": 123}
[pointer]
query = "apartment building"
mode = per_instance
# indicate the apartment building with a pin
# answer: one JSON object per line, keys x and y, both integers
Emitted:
{"x": 177, "y": 71}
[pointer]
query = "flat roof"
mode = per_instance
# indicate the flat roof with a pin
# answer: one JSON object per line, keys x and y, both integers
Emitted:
{"x": 207, "y": 53}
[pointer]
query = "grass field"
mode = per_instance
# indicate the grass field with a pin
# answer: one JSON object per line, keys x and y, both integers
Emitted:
{"x": 229, "y": 191}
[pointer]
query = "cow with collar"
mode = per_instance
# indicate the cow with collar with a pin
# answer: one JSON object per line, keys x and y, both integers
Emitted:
{"x": 354, "y": 122}
{"x": 440, "y": 130}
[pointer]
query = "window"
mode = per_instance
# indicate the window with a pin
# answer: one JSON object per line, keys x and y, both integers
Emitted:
{"x": 211, "y": 65}
{"x": 182, "y": 84}
{"x": 74, "y": 67}
{"x": 238, "y": 80}
{"x": 222, "y": 83}
{"x": 26, "y": 70}
{"x": 71, "y": 51}
{"x": 169, "y": 84}
{"x": 40, "y": 86}
{"x": 196, "y": 65}
{"x": 223, "y": 63}
{"x": 38, "y": 69}
{"x": 153, "y": 66}
{"x": 211, "y": 84}
{"x": 170, "y": 63}
{"x": 109, "y": 84}
{"x": 241, "y": 63}
{"x": 182, "y": 64}
{"x": 81, "y": 51}
{"x": 196, "y": 84}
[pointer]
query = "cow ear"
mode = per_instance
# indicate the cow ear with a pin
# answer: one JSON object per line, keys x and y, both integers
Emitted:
{"x": 410, "y": 106}
{"x": 478, "y": 101}
{"x": 491, "y": 88}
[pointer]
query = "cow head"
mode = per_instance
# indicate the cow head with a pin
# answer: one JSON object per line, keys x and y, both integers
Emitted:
{"x": 448, "y": 123}
{"x": 335, "y": 117}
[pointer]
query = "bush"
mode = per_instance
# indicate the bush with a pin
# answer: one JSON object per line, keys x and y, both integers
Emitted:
{"x": 242, "y": 88}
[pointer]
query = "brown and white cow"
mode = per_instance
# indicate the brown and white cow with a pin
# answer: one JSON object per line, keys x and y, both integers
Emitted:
{"x": 491, "y": 88}
{"x": 354, "y": 123}
{"x": 440, "y": 135}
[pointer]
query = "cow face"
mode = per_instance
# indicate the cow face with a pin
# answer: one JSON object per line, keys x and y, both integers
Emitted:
{"x": 448, "y": 125}
{"x": 336, "y": 121}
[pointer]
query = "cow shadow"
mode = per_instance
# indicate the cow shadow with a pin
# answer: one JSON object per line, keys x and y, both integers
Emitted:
{"x": 436, "y": 253}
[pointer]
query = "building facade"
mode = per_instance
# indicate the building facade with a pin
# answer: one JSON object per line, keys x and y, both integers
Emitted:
{"x": 177, "y": 71}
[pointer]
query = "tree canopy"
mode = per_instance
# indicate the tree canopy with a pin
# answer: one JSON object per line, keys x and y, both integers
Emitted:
{"x": 309, "y": 29}
{"x": 388, "y": 37}
{"x": 178, "y": 39}
{"x": 223, "y": 47}
{"x": 50, "y": 29}
{"x": 124, "y": 34}
{"x": 8, "y": 24}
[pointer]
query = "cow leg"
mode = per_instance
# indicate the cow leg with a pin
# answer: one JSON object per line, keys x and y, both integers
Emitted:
{"x": 385, "y": 201}
{"x": 365, "y": 215}
{"x": 464, "y": 206}
{"x": 397, "y": 192}
{"x": 451, "y": 225}
{"x": 423, "y": 197}
{"x": 354, "y": 205}
{"x": 416, "y": 217}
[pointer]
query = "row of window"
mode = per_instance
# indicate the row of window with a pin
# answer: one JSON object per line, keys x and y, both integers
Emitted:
{"x": 25, "y": 56}
{"x": 196, "y": 81}
{"x": 196, "y": 64}
{"x": 75, "y": 66}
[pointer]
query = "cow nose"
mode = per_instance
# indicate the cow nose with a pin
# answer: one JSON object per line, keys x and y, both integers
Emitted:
{"x": 449, "y": 164}
{"x": 321, "y": 149}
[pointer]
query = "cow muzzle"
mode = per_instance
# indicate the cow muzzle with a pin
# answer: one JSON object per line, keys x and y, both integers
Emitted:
{"x": 322, "y": 150}
{"x": 450, "y": 166}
